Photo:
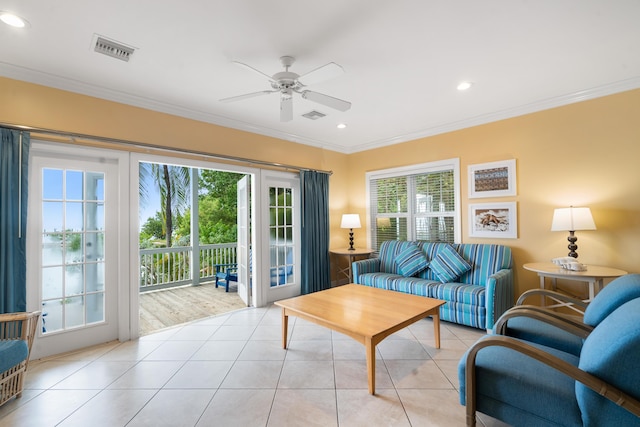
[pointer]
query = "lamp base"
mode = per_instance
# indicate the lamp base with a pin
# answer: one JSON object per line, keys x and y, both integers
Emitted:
{"x": 572, "y": 244}
{"x": 351, "y": 248}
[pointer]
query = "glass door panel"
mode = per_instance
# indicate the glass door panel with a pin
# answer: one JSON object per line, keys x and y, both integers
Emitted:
{"x": 72, "y": 257}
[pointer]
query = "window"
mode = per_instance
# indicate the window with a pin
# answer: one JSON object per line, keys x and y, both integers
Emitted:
{"x": 281, "y": 236}
{"x": 420, "y": 202}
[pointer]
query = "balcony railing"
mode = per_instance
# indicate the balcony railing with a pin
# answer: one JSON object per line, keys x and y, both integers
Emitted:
{"x": 169, "y": 267}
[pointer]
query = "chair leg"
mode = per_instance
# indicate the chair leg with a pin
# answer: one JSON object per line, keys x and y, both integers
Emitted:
{"x": 226, "y": 285}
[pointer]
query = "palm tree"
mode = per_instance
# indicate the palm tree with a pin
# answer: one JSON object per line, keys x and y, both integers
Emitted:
{"x": 174, "y": 183}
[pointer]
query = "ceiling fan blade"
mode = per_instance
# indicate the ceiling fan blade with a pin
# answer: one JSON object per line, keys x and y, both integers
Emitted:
{"x": 326, "y": 72}
{"x": 247, "y": 95}
{"x": 250, "y": 68}
{"x": 286, "y": 108}
{"x": 327, "y": 100}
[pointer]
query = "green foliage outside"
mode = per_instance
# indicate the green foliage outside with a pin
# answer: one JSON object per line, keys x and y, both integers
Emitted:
{"x": 217, "y": 222}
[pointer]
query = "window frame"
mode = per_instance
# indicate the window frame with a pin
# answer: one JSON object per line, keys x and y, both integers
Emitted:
{"x": 417, "y": 169}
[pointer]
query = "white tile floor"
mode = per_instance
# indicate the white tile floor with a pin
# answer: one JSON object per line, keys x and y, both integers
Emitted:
{"x": 230, "y": 370}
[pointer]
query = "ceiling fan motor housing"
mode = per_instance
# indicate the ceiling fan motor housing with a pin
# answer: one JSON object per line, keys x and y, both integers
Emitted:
{"x": 285, "y": 80}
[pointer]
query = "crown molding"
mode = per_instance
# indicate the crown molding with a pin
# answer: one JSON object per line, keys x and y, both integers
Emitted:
{"x": 54, "y": 81}
{"x": 534, "y": 107}
{"x": 82, "y": 88}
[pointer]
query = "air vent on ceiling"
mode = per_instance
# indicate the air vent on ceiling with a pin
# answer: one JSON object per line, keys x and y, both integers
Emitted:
{"x": 314, "y": 115}
{"x": 113, "y": 49}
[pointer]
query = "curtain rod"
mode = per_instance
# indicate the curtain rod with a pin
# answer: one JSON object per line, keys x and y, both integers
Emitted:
{"x": 121, "y": 142}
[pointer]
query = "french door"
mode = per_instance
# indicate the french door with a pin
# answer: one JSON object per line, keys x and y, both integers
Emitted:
{"x": 281, "y": 235}
{"x": 72, "y": 260}
{"x": 244, "y": 240}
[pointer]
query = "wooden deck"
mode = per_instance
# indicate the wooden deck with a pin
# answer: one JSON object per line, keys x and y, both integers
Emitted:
{"x": 169, "y": 307}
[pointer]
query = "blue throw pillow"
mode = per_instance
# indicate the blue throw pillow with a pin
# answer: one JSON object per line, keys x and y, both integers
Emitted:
{"x": 411, "y": 261}
{"x": 448, "y": 265}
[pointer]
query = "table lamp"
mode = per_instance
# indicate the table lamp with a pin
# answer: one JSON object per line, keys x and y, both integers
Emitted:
{"x": 350, "y": 221}
{"x": 571, "y": 219}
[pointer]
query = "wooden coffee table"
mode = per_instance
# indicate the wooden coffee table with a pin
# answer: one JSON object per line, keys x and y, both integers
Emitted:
{"x": 366, "y": 314}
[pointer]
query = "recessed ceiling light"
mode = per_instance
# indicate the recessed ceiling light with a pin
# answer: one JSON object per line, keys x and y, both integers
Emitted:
{"x": 464, "y": 85}
{"x": 13, "y": 20}
{"x": 341, "y": 126}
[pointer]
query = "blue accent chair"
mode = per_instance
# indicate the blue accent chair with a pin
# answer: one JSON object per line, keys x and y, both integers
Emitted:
{"x": 567, "y": 333}
{"x": 529, "y": 384}
{"x": 17, "y": 331}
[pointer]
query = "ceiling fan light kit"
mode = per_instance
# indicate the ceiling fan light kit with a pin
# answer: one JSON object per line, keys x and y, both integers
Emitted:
{"x": 287, "y": 82}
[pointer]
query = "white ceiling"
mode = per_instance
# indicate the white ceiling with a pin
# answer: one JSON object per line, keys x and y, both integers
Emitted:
{"x": 402, "y": 59}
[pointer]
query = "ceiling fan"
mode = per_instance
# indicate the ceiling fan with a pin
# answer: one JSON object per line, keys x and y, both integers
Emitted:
{"x": 287, "y": 82}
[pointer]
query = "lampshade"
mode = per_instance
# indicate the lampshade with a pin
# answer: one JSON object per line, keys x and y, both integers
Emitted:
{"x": 350, "y": 221}
{"x": 572, "y": 219}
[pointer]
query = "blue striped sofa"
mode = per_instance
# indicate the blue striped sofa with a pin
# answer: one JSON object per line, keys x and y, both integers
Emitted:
{"x": 477, "y": 298}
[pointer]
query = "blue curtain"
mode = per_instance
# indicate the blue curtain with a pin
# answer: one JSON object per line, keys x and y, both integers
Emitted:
{"x": 316, "y": 272}
{"x": 14, "y": 161}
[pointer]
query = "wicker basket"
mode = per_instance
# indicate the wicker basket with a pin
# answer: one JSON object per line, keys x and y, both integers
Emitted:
{"x": 16, "y": 326}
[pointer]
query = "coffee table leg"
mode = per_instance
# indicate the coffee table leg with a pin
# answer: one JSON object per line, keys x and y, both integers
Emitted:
{"x": 285, "y": 325}
{"x": 371, "y": 364}
{"x": 436, "y": 328}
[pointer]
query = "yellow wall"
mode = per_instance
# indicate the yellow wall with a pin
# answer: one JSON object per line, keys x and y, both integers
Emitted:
{"x": 584, "y": 154}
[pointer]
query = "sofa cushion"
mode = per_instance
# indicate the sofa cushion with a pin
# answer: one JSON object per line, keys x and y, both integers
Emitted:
{"x": 12, "y": 352}
{"x": 448, "y": 265}
{"x": 414, "y": 285}
{"x": 411, "y": 261}
{"x": 464, "y": 314}
{"x": 459, "y": 292}
{"x": 485, "y": 259}
{"x": 378, "y": 280}
{"x": 387, "y": 253}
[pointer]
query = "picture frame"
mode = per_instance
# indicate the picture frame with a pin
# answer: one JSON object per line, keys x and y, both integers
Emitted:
{"x": 494, "y": 179}
{"x": 493, "y": 220}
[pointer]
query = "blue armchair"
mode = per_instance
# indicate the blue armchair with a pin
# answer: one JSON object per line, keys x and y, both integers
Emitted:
{"x": 17, "y": 331}
{"x": 567, "y": 333}
{"x": 529, "y": 384}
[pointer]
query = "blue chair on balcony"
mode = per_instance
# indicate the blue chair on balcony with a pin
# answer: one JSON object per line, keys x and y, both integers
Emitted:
{"x": 228, "y": 273}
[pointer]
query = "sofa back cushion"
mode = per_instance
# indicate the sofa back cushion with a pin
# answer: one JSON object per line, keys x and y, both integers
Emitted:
{"x": 485, "y": 260}
{"x": 388, "y": 253}
{"x": 610, "y": 352}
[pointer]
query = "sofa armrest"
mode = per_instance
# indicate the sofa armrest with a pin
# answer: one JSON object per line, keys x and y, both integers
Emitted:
{"x": 499, "y": 295}
{"x": 371, "y": 265}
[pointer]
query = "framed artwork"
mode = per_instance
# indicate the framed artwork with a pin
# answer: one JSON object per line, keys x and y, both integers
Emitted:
{"x": 495, "y": 179}
{"x": 495, "y": 220}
